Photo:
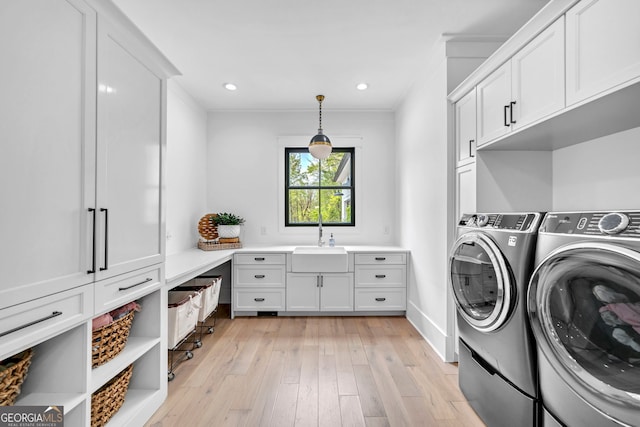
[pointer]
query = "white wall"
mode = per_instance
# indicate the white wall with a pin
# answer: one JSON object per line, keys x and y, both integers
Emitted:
{"x": 186, "y": 168}
{"x": 601, "y": 174}
{"x": 425, "y": 177}
{"x": 245, "y": 172}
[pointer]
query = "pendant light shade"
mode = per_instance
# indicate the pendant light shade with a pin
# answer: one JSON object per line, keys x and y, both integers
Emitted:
{"x": 320, "y": 145}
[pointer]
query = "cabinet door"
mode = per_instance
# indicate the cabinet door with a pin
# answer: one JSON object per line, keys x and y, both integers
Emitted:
{"x": 465, "y": 190}
{"x": 538, "y": 77}
{"x": 493, "y": 104}
{"x": 303, "y": 292}
{"x": 47, "y": 131}
{"x": 603, "y": 46}
{"x": 465, "y": 116}
{"x": 336, "y": 292}
{"x": 130, "y": 150}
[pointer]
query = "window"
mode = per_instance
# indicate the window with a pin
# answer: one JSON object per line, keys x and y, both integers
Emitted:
{"x": 313, "y": 186}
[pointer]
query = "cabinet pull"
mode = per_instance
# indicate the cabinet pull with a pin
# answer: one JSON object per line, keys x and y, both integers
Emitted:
{"x": 259, "y": 276}
{"x": 471, "y": 141}
{"x": 106, "y": 239}
{"x": 380, "y": 258}
{"x": 148, "y": 279}
{"x": 511, "y": 112}
{"x": 51, "y": 316}
{"x": 380, "y": 276}
{"x": 506, "y": 107}
{"x": 321, "y": 281}
{"x": 93, "y": 243}
{"x": 381, "y": 299}
{"x": 258, "y": 299}
{"x": 259, "y": 258}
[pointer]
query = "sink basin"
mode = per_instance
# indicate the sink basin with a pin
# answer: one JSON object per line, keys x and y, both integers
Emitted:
{"x": 316, "y": 259}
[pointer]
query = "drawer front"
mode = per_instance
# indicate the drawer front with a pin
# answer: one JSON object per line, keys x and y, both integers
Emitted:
{"x": 27, "y": 324}
{"x": 118, "y": 291}
{"x": 259, "y": 299}
{"x": 260, "y": 259}
{"x": 380, "y": 299}
{"x": 381, "y": 258}
{"x": 381, "y": 276}
{"x": 258, "y": 275}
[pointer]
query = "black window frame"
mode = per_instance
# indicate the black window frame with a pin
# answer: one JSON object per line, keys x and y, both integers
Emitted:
{"x": 351, "y": 187}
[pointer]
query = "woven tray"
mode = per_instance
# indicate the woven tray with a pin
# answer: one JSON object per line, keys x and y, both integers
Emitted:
{"x": 108, "y": 399}
{"x": 107, "y": 342}
{"x": 215, "y": 246}
{"x": 11, "y": 379}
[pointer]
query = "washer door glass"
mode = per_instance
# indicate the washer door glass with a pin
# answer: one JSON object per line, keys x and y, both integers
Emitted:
{"x": 584, "y": 304}
{"x": 480, "y": 281}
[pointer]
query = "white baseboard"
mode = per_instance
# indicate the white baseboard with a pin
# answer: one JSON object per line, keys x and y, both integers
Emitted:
{"x": 429, "y": 330}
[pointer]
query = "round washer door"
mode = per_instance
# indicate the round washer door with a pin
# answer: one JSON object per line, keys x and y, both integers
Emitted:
{"x": 481, "y": 281}
{"x": 584, "y": 306}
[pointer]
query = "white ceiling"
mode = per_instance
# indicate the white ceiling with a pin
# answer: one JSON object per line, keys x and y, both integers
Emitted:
{"x": 282, "y": 53}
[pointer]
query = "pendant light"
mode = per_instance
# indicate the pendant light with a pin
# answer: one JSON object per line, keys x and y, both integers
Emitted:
{"x": 320, "y": 146}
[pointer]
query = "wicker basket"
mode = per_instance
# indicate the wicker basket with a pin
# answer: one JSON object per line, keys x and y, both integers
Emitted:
{"x": 11, "y": 379}
{"x": 107, "y": 342}
{"x": 108, "y": 399}
{"x": 215, "y": 246}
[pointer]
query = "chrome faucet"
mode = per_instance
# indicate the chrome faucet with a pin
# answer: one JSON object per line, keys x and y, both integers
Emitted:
{"x": 320, "y": 241}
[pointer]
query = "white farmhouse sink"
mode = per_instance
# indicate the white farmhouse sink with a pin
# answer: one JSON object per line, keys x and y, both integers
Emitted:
{"x": 316, "y": 259}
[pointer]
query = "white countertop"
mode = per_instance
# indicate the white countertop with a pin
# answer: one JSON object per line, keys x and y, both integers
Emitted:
{"x": 184, "y": 266}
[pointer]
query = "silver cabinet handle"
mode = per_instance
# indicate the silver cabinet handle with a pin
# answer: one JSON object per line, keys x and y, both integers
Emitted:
{"x": 148, "y": 279}
{"x": 51, "y": 316}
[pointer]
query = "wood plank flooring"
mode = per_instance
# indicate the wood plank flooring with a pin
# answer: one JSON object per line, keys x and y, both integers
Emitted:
{"x": 315, "y": 371}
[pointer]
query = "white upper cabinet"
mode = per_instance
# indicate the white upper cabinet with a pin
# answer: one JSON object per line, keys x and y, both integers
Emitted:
{"x": 603, "y": 46}
{"x": 493, "y": 103}
{"x": 525, "y": 89}
{"x": 129, "y": 216}
{"x": 47, "y": 165}
{"x": 465, "y": 117}
{"x": 537, "y": 73}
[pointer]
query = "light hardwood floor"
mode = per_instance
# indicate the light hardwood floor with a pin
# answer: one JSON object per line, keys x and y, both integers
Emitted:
{"x": 315, "y": 371}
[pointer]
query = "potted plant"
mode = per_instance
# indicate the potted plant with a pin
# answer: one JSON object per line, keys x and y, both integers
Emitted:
{"x": 228, "y": 224}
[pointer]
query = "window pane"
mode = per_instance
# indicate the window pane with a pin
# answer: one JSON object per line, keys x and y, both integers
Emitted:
{"x": 336, "y": 169}
{"x": 336, "y": 206}
{"x": 303, "y": 206}
{"x": 303, "y": 169}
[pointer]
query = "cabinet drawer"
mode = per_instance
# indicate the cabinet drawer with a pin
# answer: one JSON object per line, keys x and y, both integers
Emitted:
{"x": 381, "y": 258}
{"x": 256, "y": 299}
{"x": 381, "y": 276}
{"x": 26, "y": 324}
{"x": 380, "y": 299}
{"x": 259, "y": 259}
{"x": 258, "y": 275}
{"x": 113, "y": 293}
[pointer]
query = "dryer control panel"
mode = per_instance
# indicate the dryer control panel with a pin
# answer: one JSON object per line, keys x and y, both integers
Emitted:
{"x": 506, "y": 221}
{"x": 621, "y": 224}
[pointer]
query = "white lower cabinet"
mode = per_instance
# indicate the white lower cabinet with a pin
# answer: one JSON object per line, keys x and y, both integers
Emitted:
{"x": 258, "y": 282}
{"x": 381, "y": 282}
{"x": 320, "y": 292}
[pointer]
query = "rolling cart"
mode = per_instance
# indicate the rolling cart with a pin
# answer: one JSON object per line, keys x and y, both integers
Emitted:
{"x": 183, "y": 310}
{"x": 209, "y": 288}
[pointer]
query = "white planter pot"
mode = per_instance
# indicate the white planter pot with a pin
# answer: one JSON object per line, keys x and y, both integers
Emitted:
{"x": 228, "y": 231}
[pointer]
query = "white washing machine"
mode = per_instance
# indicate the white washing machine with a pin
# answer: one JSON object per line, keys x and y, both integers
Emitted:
{"x": 584, "y": 306}
{"x": 490, "y": 266}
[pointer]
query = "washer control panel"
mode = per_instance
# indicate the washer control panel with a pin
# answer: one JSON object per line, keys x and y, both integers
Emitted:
{"x": 506, "y": 221}
{"x": 618, "y": 223}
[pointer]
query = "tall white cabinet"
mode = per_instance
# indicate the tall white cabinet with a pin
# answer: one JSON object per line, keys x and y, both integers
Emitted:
{"x": 81, "y": 183}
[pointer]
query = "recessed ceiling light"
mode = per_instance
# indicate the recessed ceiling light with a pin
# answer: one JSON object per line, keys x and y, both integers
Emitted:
{"x": 230, "y": 86}
{"x": 362, "y": 86}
